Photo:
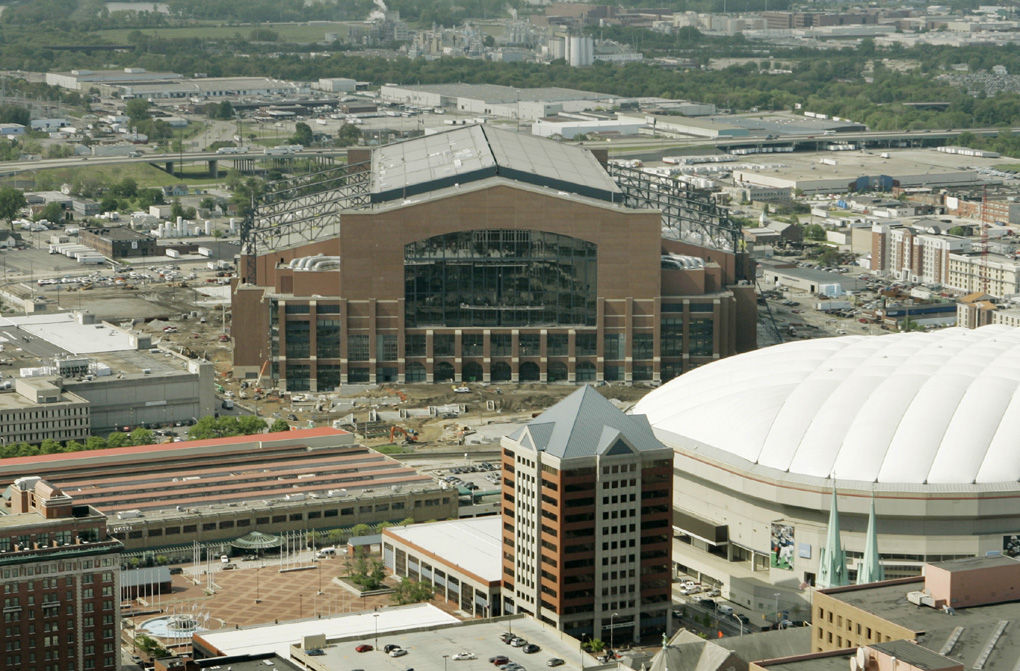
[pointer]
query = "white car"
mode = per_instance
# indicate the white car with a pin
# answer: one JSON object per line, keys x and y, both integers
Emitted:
{"x": 398, "y": 652}
{"x": 464, "y": 655}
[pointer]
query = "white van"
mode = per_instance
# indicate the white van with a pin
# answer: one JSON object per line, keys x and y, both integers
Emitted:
{"x": 325, "y": 553}
{"x": 724, "y": 609}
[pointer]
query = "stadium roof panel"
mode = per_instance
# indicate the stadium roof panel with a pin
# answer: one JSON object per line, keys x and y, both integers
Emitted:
{"x": 933, "y": 409}
{"x": 474, "y": 153}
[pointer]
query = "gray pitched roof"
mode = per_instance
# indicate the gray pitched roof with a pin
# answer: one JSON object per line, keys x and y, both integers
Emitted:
{"x": 585, "y": 424}
{"x": 472, "y": 153}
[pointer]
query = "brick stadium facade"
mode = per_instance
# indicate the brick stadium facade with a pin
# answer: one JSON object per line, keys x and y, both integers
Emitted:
{"x": 490, "y": 279}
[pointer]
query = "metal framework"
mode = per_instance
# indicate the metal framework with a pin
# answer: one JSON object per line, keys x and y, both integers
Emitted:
{"x": 687, "y": 214}
{"x": 299, "y": 210}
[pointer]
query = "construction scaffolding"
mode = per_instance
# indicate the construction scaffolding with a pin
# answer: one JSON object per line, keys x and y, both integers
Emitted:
{"x": 298, "y": 210}
{"x": 688, "y": 214}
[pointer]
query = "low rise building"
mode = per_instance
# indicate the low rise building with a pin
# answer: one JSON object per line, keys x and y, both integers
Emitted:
{"x": 118, "y": 242}
{"x": 982, "y": 591}
{"x": 172, "y": 494}
{"x": 38, "y": 409}
{"x": 460, "y": 558}
{"x": 59, "y": 569}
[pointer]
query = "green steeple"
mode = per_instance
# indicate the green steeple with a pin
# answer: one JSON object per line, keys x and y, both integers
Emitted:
{"x": 831, "y": 559}
{"x": 871, "y": 570}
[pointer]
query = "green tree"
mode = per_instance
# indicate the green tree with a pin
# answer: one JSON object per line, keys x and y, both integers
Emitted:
{"x": 142, "y": 436}
{"x": 365, "y": 572}
{"x": 150, "y": 646}
{"x": 249, "y": 424}
{"x": 594, "y": 646}
{"x": 176, "y": 210}
{"x": 814, "y": 232}
{"x": 15, "y": 114}
{"x": 50, "y": 446}
{"x": 412, "y": 591}
{"x": 279, "y": 425}
{"x": 125, "y": 188}
{"x": 118, "y": 439}
{"x": 53, "y": 211}
{"x": 109, "y": 204}
{"x": 223, "y": 110}
{"x": 302, "y": 134}
{"x": 73, "y": 446}
{"x": 147, "y": 197}
{"x": 11, "y": 201}
{"x": 348, "y": 135}
{"x": 958, "y": 230}
{"x": 137, "y": 110}
{"x": 95, "y": 443}
{"x": 360, "y": 530}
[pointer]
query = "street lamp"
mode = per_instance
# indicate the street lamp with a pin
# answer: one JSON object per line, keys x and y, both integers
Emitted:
{"x": 776, "y": 595}
{"x": 740, "y": 622}
{"x": 375, "y": 616}
{"x": 445, "y": 657}
{"x": 612, "y": 632}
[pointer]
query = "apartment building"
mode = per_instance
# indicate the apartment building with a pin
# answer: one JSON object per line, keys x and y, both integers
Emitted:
{"x": 587, "y": 494}
{"x": 993, "y": 274}
{"x": 913, "y": 255}
{"x": 60, "y": 572}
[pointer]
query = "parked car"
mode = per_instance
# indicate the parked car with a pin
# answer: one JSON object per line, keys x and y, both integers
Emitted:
{"x": 554, "y": 661}
{"x": 364, "y": 647}
{"x": 531, "y": 648}
{"x": 518, "y": 642}
{"x": 398, "y": 652}
{"x": 499, "y": 659}
{"x": 463, "y": 655}
{"x": 389, "y": 647}
{"x": 707, "y": 603}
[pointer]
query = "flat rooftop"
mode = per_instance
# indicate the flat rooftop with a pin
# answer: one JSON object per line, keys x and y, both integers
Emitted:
{"x": 427, "y": 646}
{"x": 63, "y": 331}
{"x": 279, "y": 637}
{"x": 470, "y": 545}
{"x": 851, "y": 164}
{"x": 496, "y": 94}
{"x": 974, "y": 563}
{"x": 977, "y": 623}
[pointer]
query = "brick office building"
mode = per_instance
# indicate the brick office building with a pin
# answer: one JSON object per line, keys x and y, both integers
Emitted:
{"x": 59, "y": 571}
{"x": 119, "y": 242}
{"x": 587, "y": 496}
{"x": 488, "y": 256}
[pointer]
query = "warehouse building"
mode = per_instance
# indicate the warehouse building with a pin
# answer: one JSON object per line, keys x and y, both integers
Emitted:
{"x": 922, "y": 425}
{"x": 480, "y": 254}
{"x": 504, "y": 102}
{"x": 172, "y": 494}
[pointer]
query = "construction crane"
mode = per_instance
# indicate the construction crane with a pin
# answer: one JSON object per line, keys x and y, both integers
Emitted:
{"x": 984, "y": 240}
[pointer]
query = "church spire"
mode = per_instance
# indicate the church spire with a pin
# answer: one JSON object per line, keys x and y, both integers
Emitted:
{"x": 831, "y": 559}
{"x": 871, "y": 570}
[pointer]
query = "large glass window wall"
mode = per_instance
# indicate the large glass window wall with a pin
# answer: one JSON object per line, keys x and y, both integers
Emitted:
{"x": 500, "y": 278}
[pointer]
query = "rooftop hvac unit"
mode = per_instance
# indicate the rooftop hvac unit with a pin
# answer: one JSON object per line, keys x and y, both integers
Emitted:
{"x": 920, "y": 598}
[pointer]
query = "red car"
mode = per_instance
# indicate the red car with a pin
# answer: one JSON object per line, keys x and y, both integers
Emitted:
{"x": 364, "y": 647}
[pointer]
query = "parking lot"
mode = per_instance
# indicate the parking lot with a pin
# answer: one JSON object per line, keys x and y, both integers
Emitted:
{"x": 441, "y": 648}
{"x": 474, "y": 477}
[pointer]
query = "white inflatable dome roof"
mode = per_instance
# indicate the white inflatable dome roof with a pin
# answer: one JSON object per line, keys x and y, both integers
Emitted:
{"x": 913, "y": 408}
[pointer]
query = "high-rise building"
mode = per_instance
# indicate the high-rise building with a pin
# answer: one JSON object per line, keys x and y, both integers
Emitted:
{"x": 587, "y": 494}
{"x": 59, "y": 570}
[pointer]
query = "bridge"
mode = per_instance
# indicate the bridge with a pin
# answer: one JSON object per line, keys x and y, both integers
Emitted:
{"x": 245, "y": 162}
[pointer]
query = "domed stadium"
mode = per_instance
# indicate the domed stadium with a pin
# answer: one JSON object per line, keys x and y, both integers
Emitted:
{"x": 925, "y": 425}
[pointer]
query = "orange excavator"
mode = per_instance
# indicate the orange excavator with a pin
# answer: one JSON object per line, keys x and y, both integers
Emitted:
{"x": 410, "y": 435}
